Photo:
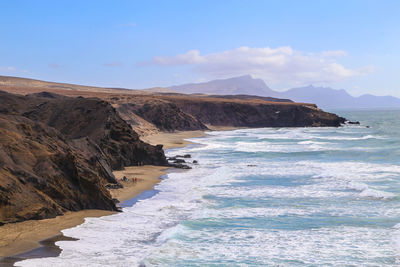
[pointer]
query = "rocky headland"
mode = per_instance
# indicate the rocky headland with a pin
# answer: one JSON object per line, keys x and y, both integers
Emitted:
{"x": 57, "y": 154}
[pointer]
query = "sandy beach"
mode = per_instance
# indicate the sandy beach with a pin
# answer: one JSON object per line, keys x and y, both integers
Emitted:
{"x": 172, "y": 140}
{"x": 17, "y": 238}
{"x": 177, "y": 139}
{"x": 140, "y": 179}
{"x": 20, "y": 237}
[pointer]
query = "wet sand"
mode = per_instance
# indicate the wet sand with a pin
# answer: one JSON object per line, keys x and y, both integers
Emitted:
{"x": 16, "y": 238}
{"x": 47, "y": 248}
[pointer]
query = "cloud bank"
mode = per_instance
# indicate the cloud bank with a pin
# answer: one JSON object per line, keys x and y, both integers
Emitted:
{"x": 274, "y": 65}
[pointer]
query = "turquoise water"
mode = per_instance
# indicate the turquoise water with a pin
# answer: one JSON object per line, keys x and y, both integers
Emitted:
{"x": 262, "y": 197}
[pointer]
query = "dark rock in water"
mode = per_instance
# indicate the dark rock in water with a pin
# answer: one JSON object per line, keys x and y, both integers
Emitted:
{"x": 179, "y": 161}
{"x": 186, "y": 156}
{"x": 367, "y": 126}
{"x": 195, "y": 162}
{"x": 352, "y": 122}
{"x": 180, "y": 166}
{"x": 186, "y": 167}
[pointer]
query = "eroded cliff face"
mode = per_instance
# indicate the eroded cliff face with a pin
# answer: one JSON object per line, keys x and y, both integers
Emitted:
{"x": 96, "y": 119}
{"x": 165, "y": 115}
{"x": 257, "y": 113}
{"x": 178, "y": 112}
{"x": 57, "y": 154}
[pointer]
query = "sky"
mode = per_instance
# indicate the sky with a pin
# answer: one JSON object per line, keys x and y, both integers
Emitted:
{"x": 352, "y": 45}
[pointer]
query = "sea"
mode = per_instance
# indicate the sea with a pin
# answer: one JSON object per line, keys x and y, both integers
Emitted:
{"x": 261, "y": 197}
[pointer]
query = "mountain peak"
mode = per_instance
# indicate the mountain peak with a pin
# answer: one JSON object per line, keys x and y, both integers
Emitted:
{"x": 243, "y": 77}
{"x": 240, "y": 85}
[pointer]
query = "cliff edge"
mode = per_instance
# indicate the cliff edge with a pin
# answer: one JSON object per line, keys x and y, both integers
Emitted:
{"x": 57, "y": 154}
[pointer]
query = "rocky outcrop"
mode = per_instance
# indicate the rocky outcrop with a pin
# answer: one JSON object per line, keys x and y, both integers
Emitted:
{"x": 163, "y": 114}
{"x": 97, "y": 120}
{"x": 257, "y": 113}
{"x": 178, "y": 112}
{"x": 42, "y": 175}
{"x": 57, "y": 154}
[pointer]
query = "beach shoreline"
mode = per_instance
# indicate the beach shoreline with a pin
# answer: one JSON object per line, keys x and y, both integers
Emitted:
{"x": 22, "y": 237}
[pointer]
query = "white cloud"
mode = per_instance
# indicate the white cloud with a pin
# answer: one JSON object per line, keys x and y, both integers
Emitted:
{"x": 274, "y": 65}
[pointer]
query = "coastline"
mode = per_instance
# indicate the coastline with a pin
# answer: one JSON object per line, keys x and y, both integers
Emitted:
{"x": 177, "y": 139}
{"x": 16, "y": 238}
{"x": 19, "y": 238}
{"x": 173, "y": 139}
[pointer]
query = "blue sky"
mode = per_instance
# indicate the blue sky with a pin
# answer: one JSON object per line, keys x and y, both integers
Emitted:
{"x": 138, "y": 44}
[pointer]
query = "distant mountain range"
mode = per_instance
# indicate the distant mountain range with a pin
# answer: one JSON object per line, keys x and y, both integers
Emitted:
{"x": 324, "y": 97}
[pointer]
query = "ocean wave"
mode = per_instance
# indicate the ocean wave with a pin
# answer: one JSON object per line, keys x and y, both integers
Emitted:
{"x": 280, "y": 147}
{"x": 366, "y": 191}
{"x": 349, "y": 138}
{"x": 329, "y": 246}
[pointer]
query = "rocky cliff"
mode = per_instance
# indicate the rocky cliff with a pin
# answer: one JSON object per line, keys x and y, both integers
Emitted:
{"x": 163, "y": 114}
{"x": 256, "y": 113}
{"x": 97, "y": 120}
{"x": 57, "y": 153}
{"x": 180, "y": 112}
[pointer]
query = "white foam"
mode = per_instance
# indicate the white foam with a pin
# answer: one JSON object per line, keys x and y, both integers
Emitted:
{"x": 366, "y": 191}
{"x": 373, "y": 193}
{"x": 348, "y": 138}
{"x": 357, "y": 186}
{"x": 338, "y": 246}
{"x": 310, "y": 142}
{"x": 395, "y": 239}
